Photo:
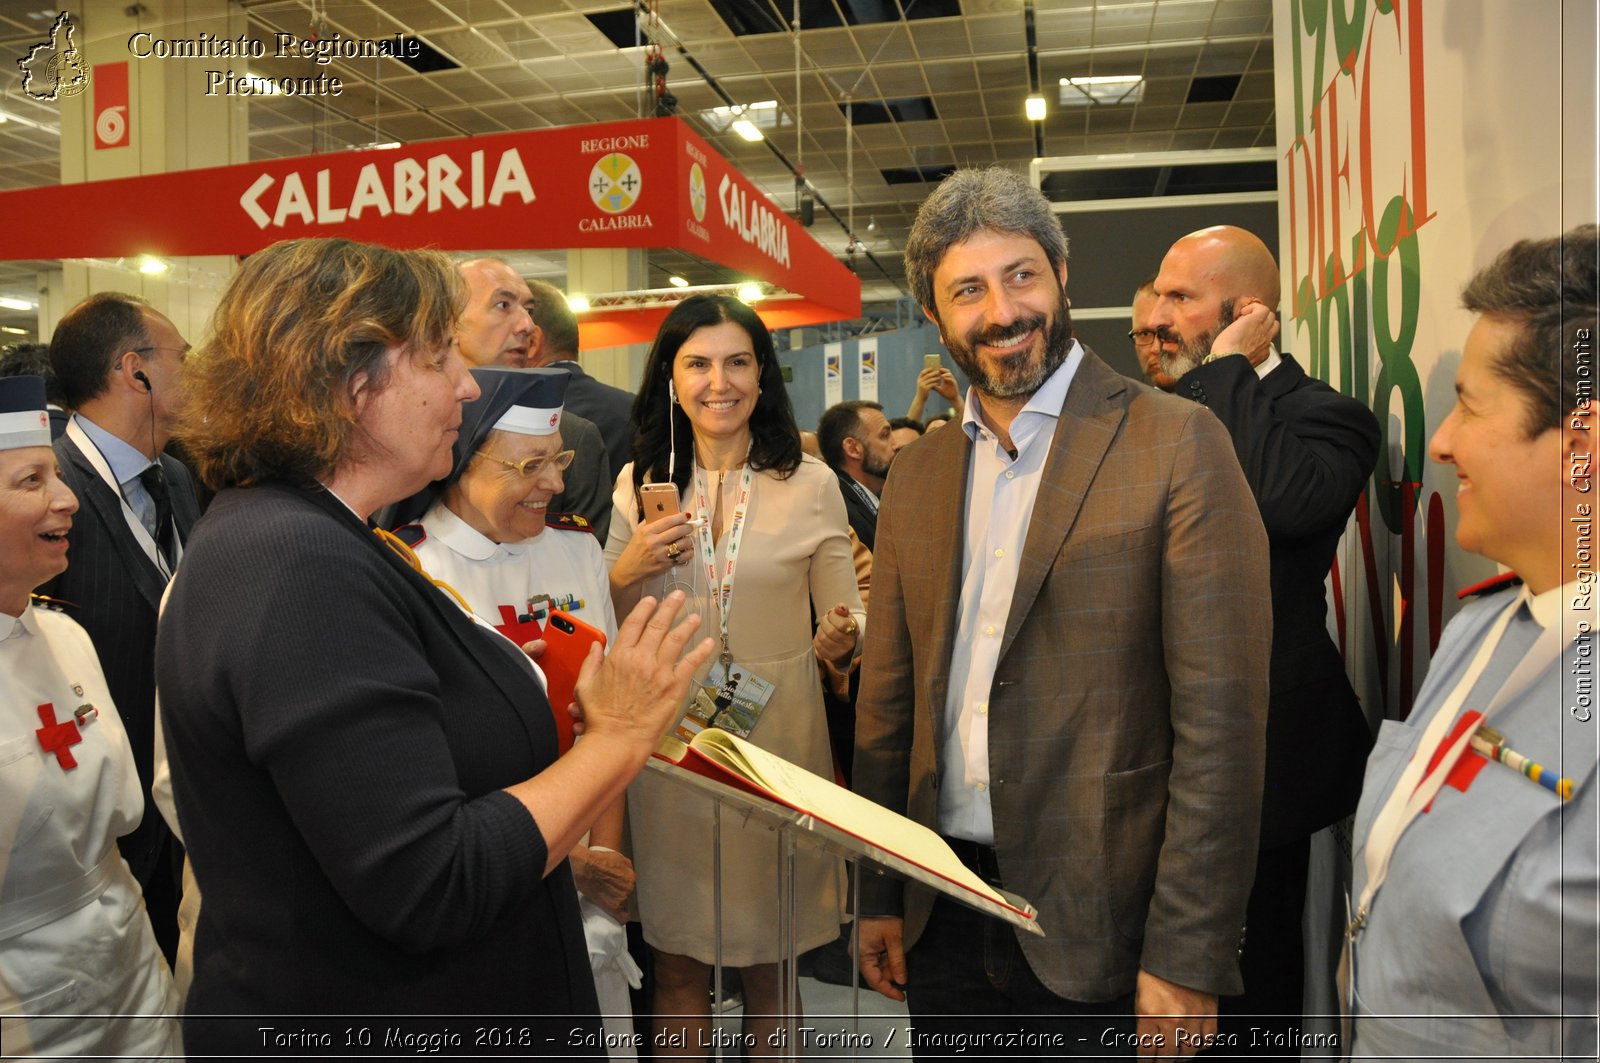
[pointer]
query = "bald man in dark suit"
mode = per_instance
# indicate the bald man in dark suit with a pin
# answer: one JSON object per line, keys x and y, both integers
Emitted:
{"x": 1306, "y": 451}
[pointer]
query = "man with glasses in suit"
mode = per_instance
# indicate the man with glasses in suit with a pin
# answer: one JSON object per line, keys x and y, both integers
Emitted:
{"x": 119, "y": 364}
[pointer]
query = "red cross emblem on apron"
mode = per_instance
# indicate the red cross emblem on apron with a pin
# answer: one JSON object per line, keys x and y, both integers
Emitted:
{"x": 58, "y": 738}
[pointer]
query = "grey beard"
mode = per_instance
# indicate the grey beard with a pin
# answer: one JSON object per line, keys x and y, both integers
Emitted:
{"x": 1188, "y": 356}
{"x": 1191, "y": 353}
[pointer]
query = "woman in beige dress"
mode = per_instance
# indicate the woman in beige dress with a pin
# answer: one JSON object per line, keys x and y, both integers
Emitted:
{"x": 715, "y": 420}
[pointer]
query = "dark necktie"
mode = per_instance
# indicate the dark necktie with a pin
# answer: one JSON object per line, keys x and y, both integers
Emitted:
{"x": 155, "y": 485}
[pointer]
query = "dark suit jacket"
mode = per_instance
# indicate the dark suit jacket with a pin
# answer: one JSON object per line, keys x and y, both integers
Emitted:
{"x": 1128, "y": 707}
{"x": 114, "y": 591}
{"x": 1306, "y": 451}
{"x": 340, "y": 736}
{"x": 863, "y": 518}
{"x": 611, "y": 410}
{"x": 588, "y": 479}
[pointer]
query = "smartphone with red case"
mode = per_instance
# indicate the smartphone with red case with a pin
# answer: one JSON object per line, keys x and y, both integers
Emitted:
{"x": 567, "y": 640}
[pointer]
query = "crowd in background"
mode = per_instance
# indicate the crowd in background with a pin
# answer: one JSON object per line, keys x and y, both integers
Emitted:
{"x": 308, "y": 754}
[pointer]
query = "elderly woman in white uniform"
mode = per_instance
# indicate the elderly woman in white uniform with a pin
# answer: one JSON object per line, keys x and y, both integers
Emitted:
{"x": 80, "y": 973}
{"x": 485, "y": 531}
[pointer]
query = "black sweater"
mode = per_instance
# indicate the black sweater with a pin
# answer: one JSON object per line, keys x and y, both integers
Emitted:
{"x": 339, "y": 734}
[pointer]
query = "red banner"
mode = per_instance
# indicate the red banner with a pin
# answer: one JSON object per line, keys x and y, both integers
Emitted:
{"x": 650, "y": 183}
{"x": 111, "y": 121}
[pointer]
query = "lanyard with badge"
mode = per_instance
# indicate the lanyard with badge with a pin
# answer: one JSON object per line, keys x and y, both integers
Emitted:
{"x": 1419, "y": 784}
{"x": 141, "y": 534}
{"x": 733, "y": 696}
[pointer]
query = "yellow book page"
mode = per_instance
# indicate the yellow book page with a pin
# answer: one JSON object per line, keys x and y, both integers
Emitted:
{"x": 848, "y": 811}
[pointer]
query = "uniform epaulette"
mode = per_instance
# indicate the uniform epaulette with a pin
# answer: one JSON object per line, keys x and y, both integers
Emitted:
{"x": 55, "y": 605}
{"x": 413, "y": 535}
{"x": 1489, "y": 586}
{"x": 568, "y": 522}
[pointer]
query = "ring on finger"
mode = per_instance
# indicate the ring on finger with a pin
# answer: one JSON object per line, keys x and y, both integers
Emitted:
{"x": 672, "y": 551}
{"x": 851, "y": 627}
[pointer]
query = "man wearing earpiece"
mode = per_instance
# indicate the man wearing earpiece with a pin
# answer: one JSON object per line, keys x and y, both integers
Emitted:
{"x": 119, "y": 364}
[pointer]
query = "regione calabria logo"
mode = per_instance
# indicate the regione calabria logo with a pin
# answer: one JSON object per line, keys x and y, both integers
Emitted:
{"x": 697, "y": 191}
{"x": 615, "y": 183}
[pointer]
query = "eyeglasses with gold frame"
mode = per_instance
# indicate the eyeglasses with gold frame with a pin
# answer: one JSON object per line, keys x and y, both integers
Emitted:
{"x": 533, "y": 466}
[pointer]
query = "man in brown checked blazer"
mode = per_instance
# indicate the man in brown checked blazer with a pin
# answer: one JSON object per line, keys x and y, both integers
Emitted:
{"x": 1066, "y": 669}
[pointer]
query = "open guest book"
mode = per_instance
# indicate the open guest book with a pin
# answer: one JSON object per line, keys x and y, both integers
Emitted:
{"x": 882, "y": 836}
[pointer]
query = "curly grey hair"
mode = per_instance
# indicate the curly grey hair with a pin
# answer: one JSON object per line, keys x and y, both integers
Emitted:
{"x": 970, "y": 201}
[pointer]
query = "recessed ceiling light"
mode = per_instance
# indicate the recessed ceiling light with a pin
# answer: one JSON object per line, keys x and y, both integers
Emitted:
{"x": 1109, "y": 79}
{"x": 677, "y": 282}
{"x": 1102, "y": 90}
{"x": 764, "y": 115}
{"x": 1033, "y": 107}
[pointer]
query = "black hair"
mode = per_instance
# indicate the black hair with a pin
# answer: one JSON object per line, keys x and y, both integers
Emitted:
{"x": 31, "y": 359}
{"x": 896, "y": 423}
{"x": 839, "y": 422}
{"x": 550, "y": 311}
{"x": 774, "y": 434}
{"x": 97, "y": 330}
{"x": 1548, "y": 288}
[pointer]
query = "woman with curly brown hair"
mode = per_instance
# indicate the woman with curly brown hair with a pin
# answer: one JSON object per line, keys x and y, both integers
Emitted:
{"x": 366, "y": 776}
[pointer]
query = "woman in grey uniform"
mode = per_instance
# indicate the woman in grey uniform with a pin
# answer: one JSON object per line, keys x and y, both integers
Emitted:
{"x": 1475, "y": 908}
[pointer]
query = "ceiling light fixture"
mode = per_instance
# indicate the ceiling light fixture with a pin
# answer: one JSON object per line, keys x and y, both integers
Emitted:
{"x": 750, "y": 293}
{"x": 1108, "y": 79}
{"x": 1102, "y": 90}
{"x": 578, "y": 303}
{"x": 8, "y": 303}
{"x": 153, "y": 266}
{"x": 747, "y": 129}
{"x": 1033, "y": 107}
{"x": 677, "y": 281}
{"x": 13, "y": 331}
{"x": 42, "y": 127}
{"x": 255, "y": 84}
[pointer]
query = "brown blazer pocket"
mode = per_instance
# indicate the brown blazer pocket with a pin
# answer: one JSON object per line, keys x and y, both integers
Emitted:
{"x": 1106, "y": 541}
{"x": 1136, "y": 818}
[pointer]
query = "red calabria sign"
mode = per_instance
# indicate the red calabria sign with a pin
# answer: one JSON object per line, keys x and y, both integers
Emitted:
{"x": 647, "y": 183}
